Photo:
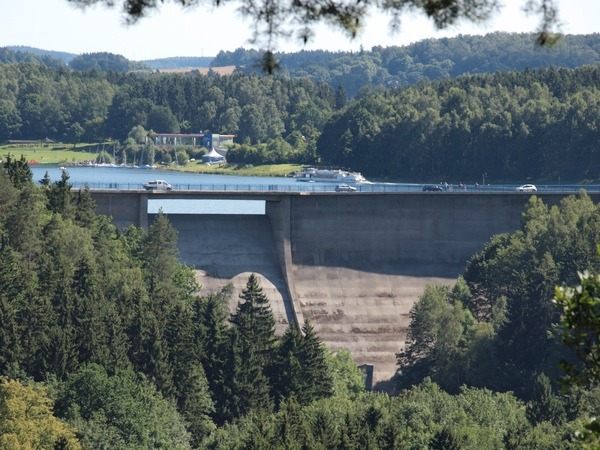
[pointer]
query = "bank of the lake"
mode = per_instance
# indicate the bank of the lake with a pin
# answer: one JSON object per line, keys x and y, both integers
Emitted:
{"x": 71, "y": 155}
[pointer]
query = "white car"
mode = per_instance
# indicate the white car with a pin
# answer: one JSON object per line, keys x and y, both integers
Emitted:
{"x": 344, "y": 188}
{"x": 157, "y": 185}
{"x": 527, "y": 188}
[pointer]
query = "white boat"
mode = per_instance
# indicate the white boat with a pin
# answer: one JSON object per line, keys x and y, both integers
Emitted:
{"x": 329, "y": 175}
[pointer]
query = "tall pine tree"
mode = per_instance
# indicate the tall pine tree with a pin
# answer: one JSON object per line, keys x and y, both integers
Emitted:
{"x": 252, "y": 350}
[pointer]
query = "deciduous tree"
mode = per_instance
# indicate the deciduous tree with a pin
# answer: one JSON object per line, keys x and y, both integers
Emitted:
{"x": 27, "y": 420}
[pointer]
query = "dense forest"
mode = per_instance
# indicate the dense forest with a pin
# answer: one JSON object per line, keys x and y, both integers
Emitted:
{"x": 386, "y": 67}
{"x": 107, "y": 337}
{"x": 454, "y": 124}
{"x": 539, "y": 125}
{"x": 428, "y": 59}
{"x": 534, "y": 125}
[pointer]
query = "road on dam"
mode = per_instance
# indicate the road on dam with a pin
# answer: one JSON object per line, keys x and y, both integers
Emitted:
{"x": 352, "y": 263}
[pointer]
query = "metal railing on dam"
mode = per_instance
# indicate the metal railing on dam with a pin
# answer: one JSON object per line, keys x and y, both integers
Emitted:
{"x": 321, "y": 187}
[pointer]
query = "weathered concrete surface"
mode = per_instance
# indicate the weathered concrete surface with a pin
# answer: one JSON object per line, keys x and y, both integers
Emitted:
{"x": 354, "y": 264}
{"x": 360, "y": 262}
{"x": 125, "y": 207}
{"x": 227, "y": 249}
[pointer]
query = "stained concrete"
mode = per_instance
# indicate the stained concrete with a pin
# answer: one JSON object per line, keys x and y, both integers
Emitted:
{"x": 228, "y": 249}
{"x": 352, "y": 263}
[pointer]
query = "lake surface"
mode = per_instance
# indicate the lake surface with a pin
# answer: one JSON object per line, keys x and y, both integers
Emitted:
{"x": 134, "y": 178}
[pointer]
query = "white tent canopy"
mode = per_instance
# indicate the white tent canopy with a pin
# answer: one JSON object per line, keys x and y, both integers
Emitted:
{"x": 213, "y": 156}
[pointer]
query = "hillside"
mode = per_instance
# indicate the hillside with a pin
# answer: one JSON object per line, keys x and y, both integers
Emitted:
{"x": 63, "y": 56}
{"x": 428, "y": 59}
{"x": 179, "y": 62}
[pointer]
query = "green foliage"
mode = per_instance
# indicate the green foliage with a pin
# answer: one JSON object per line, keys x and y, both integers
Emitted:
{"x": 119, "y": 411}
{"x": 521, "y": 271}
{"x": 27, "y": 420}
{"x": 159, "y": 253}
{"x": 252, "y": 342}
{"x": 60, "y": 196}
{"x": 422, "y": 417}
{"x": 581, "y": 324}
{"x": 18, "y": 171}
{"x": 301, "y": 369}
{"x": 438, "y": 339}
{"x": 103, "y": 61}
{"x": 348, "y": 379}
{"x": 508, "y": 126}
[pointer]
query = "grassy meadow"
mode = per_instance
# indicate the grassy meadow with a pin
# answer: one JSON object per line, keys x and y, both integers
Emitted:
{"x": 51, "y": 153}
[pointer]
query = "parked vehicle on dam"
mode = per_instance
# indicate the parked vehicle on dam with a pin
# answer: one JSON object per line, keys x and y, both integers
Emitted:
{"x": 432, "y": 188}
{"x": 527, "y": 188}
{"x": 157, "y": 185}
{"x": 344, "y": 188}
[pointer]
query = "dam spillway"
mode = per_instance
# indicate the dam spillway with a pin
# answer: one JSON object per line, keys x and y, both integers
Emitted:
{"x": 354, "y": 264}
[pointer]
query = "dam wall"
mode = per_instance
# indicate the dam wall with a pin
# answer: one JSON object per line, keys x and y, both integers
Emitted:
{"x": 353, "y": 264}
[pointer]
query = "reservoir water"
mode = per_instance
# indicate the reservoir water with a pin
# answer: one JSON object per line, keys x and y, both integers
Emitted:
{"x": 134, "y": 178}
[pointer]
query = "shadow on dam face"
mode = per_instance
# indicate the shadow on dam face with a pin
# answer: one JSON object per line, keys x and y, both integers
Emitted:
{"x": 226, "y": 249}
{"x": 356, "y": 296}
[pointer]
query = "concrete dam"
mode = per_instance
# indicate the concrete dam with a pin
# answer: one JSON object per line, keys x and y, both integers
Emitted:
{"x": 352, "y": 263}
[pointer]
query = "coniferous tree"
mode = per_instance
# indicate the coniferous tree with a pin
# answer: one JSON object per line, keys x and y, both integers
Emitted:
{"x": 252, "y": 348}
{"x": 254, "y": 318}
{"x": 23, "y": 221}
{"x": 18, "y": 171}
{"x": 209, "y": 316}
{"x": 315, "y": 372}
{"x": 291, "y": 428}
{"x": 159, "y": 257}
{"x": 85, "y": 207}
{"x": 60, "y": 196}
{"x": 247, "y": 387}
{"x": 152, "y": 355}
{"x": 444, "y": 440}
{"x": 10, "y": 348}
{"x": 190, "y": 384}
{"x": 288, "y": 368}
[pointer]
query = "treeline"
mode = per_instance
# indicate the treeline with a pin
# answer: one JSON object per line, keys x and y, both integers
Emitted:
{"x": 428, "y": 59}
{"x": 385, "y": 67}
{"x": 102, "y": 61}
{"x": 514, "y": 126}
{"x": 37, "y": 102}
{"x": 26, "y": 54}
{"x": 178, "y": 62}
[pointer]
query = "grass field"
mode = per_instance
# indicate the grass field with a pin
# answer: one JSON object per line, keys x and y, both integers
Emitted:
{"x": 273, "y": 170}
{"x": 61, "y": 154}
{"x": 51, "y": 154}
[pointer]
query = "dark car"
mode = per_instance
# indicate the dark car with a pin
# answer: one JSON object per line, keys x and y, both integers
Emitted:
{"x": 432, "y": 188}
{"x": 344, "y": 188}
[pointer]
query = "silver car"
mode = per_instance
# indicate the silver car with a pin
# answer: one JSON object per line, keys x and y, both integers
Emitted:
{"x": 344, "y": 188}
{"x": 157, "y": 185}
{"x": 527, "y": 188}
